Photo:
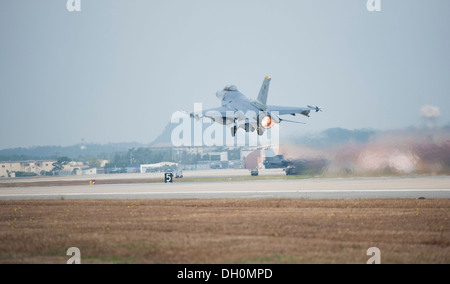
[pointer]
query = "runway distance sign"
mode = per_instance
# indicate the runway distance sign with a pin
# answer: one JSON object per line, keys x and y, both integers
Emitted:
{"x": 168, "y": 177}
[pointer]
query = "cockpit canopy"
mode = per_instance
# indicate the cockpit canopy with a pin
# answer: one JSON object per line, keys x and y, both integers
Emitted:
{"x": 230, "y": 88}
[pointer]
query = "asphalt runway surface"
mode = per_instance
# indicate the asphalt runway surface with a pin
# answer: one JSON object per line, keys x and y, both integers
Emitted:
{"x": 321, "y": 188}
{"x": 157, "y": 175}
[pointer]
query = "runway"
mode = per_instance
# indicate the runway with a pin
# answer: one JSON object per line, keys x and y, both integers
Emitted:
{"x": 338, "y": 188}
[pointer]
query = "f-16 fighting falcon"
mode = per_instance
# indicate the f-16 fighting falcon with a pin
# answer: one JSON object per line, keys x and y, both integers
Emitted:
{"x": 241, "y": 112}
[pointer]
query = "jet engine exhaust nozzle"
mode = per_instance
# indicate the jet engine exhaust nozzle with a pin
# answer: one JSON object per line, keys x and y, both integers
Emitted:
{"x": 267, "y": 122}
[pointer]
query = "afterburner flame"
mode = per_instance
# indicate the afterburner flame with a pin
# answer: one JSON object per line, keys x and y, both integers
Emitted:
{"x": 267, "y": 122}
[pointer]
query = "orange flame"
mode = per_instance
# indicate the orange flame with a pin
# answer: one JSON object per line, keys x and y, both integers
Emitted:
{"x": 267, "y": 122}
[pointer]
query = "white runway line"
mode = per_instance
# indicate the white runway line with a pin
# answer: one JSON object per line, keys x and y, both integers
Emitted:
{"x": 320, "y": 194}
{"x": 428, "y": 187}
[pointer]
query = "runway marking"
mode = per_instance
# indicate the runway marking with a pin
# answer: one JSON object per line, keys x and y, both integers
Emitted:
{"x": 226, "y": 194}
{"x": 311, "y": 189}
{"x": 238, "y": 191}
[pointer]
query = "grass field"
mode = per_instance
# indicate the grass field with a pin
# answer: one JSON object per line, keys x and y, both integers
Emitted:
{"x": 225, "y": 231}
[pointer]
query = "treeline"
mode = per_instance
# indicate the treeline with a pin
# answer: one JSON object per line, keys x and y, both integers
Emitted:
{"x": 15, "y": 158}
{"x": 133, "y": 156}
{"x": 75, "y": 152}
{"x": 143, "y": 155}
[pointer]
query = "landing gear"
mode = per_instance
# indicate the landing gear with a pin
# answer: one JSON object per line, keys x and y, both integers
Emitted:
{"x": 233, "y": 131}
{"x": 260, "y": 131}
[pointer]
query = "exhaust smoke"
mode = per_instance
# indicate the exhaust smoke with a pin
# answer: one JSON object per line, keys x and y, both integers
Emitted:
{"x": 401, "y": 152}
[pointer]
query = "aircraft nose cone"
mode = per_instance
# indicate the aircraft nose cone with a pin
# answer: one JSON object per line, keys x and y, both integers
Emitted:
{"x": 220, "y": 95}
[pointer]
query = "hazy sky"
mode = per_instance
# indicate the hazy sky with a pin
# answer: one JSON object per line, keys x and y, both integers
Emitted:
{"x": 117, "y": 70}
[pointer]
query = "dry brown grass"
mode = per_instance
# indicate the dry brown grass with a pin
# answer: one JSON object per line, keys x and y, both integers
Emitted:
{"x": 225, "y": 231}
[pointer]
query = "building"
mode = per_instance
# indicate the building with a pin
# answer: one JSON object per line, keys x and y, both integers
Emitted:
{"x": 25, "y": 168}
{"x": 133, "y": 169}
{"x": 37, "y": 167}
{"x": 150, "y": 168}
{"x": 89, "y": 171}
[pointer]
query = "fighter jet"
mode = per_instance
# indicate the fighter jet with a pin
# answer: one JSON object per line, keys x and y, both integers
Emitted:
{"x": 242, "y": 113}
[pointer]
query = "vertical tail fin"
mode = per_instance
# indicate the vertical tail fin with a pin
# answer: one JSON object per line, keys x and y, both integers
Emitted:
{"x": 262, "y": 97}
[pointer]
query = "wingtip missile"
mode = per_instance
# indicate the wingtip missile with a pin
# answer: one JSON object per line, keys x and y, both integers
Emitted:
{"x": 316, "y": 108}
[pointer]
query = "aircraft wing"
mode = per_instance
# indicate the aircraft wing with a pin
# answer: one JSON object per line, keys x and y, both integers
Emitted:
{"x": 212, "y": 113}
{"x": 282, "y": 110}
{"x": 222, "y": 115}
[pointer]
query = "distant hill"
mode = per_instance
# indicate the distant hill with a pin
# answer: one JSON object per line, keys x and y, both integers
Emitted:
{"x": 165, "y": 138}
